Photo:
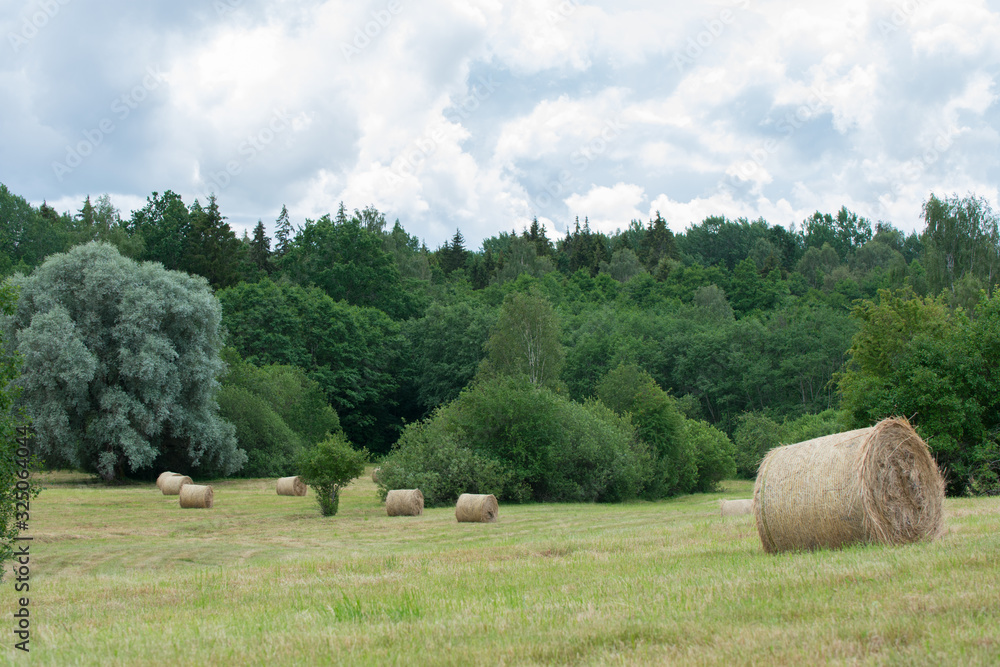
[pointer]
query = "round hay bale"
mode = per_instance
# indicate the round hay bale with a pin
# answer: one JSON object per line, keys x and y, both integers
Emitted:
{"x": 292, "y": 486}
{"x": 737, "y": 507}
{"x": 476, "y": 508}
{"x": 872, "y": 485}
{"x": 163, "y": 476}
{"x": 171, "y": 486}
{"x": 404, "y": 502}
{"x": 375, "y": 475}
{"x": 197, "y": 496}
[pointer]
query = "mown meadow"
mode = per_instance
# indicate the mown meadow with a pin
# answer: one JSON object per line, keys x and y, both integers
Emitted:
{"x": 122, "y": 576}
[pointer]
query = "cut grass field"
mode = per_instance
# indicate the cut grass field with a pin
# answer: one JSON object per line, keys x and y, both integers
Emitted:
{"x": 123, "y": 576}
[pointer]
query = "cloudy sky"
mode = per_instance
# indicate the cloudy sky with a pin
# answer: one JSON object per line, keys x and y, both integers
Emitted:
{"x": 480, "y": 114}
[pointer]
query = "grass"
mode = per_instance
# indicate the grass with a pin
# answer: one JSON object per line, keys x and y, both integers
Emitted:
{"x": 123, "y": 576}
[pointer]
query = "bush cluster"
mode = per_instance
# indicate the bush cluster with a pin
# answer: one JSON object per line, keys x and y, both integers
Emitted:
{"x": 520, "y": 442}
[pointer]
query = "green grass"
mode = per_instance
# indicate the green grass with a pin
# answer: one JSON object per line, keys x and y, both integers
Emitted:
{"x": 124, "y": 576}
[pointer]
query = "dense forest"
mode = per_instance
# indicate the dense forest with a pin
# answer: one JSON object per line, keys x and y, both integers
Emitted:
{"x": 760, "y": 333}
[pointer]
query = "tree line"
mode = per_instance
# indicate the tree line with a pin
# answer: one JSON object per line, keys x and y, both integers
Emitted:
{"x": 757, "y": 330}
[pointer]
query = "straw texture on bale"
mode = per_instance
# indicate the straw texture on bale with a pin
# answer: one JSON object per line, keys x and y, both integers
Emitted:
{"x": 737, "y": 507}
{"x": 291, "y": 486}
{"x": 197, "y": 496}
{"x": 872, "y": 485}
{"x": 476, "y": 508}
{"x": 171, "y": 486}
{"x": 163, "y": 476}
{"x": 375, "y": 475}
{"x": 404, "y": 502}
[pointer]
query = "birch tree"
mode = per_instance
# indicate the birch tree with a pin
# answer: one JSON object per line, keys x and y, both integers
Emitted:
{"x": 525, "y": 340}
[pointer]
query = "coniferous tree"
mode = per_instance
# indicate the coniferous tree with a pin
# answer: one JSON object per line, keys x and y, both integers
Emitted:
{"x": 283, "y": 232}
{"x": 260, "y": 249}
{"x": 453, "y": 255}
{"x": 212, "y": 249}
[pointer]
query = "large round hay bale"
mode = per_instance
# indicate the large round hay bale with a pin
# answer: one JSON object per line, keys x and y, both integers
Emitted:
{"x": 476, "y": 508}
{"x": 197, "y": 496}
{"x": 163, "y": 476}
{"x": 873, "y": 485}
{"x": 171, "y": 486}
{"x": 375, "y": 475}
{"x": 291, "y": 486}
{"x": 737, "y": 507}
{"x": 404, "y": 502}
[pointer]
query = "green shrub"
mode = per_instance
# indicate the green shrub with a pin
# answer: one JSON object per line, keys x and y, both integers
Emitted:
{"x": 271, "y": 446}
{"x": 715, "y": 454}
{"x": 628, "y": 389}
{"x": 277, "y": 410}
{"x": 329, "y": 466}
{"x": 520, "y": 442}
{"x": 756, "y": 434}
{"x": 427, "y": 458}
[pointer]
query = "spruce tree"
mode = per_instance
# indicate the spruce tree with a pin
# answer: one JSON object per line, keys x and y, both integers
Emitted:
{"x": 282, "y": 232}
{"x": 260, "y": 249}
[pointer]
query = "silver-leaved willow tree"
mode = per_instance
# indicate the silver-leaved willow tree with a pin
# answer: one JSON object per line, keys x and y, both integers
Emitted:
{"x": 120, "y": 361}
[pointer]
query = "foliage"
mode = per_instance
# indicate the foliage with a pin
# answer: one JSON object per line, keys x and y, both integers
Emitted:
{"x": 120, "y": 365}
{"x": 446, "y": 349}
{"x": 525, "y": 340}
{"x": 346, "y": 260}
{"x": 915, "y": 357}
{"x": 961, "y": 239}
{"x": 13, "y": 468}
{"x": 715, "y": 454}
{"x": 329, "y": 466}
{"x": 733, "y": 315}
{"x": 523, "y": 442}
{"x": 271, "y": 446}
{"x": 756, "y": 434}
{"x": 351, "y": 352}
{"x": 428, "y": 458}
{"x": 630, "y": 390}
{"x": 295, "y": 397}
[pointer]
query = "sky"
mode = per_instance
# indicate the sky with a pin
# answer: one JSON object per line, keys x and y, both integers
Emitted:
{"x": 479, "y": 115}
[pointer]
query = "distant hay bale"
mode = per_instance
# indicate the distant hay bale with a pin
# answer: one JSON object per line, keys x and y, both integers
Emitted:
{"x": 171, "y": 486}
{"x": 873, "y": 485}
{"x": 163, "y": 476}
{"x": 404, "y": 502}
{"x": 197, "y": 496}
{"x": 375, "y": 475}
{"x": 291, "y": 486}
{"x": 476, "y": 508}
{"x": 737, "y": 507}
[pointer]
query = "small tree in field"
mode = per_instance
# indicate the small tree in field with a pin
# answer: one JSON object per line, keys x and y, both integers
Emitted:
{"x": 330, "y": 466}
